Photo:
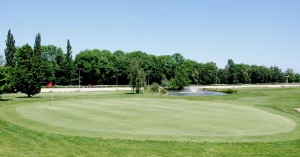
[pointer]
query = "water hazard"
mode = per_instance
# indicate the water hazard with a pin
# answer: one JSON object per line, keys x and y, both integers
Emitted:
{"x": 194, "y": 91}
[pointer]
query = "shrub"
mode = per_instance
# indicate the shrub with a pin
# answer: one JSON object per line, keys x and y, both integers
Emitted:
{"x": 227, "y": 91}
{"x": 154, "y": 87}
{"x": 230, "y": 91}
{"x": 163, "y": 91}
{"x": 146, "y": 87}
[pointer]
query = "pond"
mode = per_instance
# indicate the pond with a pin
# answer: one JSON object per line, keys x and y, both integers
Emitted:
{"x": 194, "y": 91}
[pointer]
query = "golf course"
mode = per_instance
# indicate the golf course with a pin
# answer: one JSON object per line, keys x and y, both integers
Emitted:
{"x": 252, "y": 122}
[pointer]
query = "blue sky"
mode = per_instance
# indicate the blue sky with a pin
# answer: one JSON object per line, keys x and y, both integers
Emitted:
{"x": 261, "y": 32}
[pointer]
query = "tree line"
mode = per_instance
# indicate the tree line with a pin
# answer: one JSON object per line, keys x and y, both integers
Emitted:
{"x": 27, "y": 69}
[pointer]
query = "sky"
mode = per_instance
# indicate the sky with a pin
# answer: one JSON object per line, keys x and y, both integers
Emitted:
{"x": 260, "y": 32}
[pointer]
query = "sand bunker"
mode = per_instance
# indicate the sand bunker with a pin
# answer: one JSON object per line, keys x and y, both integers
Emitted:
{"x": 298, "y": 109}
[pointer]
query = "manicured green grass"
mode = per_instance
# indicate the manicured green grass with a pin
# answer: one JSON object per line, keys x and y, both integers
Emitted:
{"x": 254, "y": 122}
{"x": 150, "y": 119}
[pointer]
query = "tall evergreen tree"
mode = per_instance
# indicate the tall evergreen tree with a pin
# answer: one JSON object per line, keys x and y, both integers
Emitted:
{"x": 69, "y": 51}
{"x": 38, "y": 46}
{"x": 1, "y": 60}
{"x": 37, "y": 59}
{"x": 69, "y": 64}
{"x": 28, "y": 72}
{"x": 60, "y": 76}
{"x": 10, "y": 50}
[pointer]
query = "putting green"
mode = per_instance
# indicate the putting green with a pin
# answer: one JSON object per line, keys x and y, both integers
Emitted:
{"x": 151, "y": 119}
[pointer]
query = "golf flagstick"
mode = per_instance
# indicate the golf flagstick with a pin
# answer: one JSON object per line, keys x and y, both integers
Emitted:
{"x": 50, "y": 85}
{"x": 52, "y": 95}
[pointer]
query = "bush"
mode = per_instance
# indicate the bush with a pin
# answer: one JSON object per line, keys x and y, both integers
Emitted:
{"x": 227, "y": 91}
{"x": 154, "y": 87}
{"x": 146, "y": 87}
{"x": 163, "y": 91}
{"x": 230, "y": 91}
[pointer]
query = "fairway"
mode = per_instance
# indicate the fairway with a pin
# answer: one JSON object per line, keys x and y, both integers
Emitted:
{"x": 151, "y": 119}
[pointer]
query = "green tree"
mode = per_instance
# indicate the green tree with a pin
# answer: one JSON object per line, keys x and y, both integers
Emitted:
{"x": 180, "y": 80}
{"x": 192, "y": 70}
{"x": 209, "y": 72}
{"x": 276, "y": 75}
{"x": 242, "y": 73}
{"x": 223, "y": 76}
{"x": 37, "y": 58}
{"x": 254, "y": 74}
{"x": 120, "y": 64}
{"x": 68, "y": 67}
{"x": 37, "y": 45}
{"x": 10, "y": 50}
{"x": 89, "y": 60}
{"x": 155, "y": 72}
{"x": 297, "y": 77}
{"x": 259, "y": 74}
{"x": 232, "y": 72}
{"x": 167, "y": 66}
{"x": 29, "y": 79}
{"x": 137, "y": 77}
{"x": 49, "y": 54}
{"x": 178, "y": 58}
{"x": 98, "y": 67}
{"x": 5, "y": 80}
{"x": 196, "y": 74}
{"x": 60, "y": 77}
{"x": 266, "y": 73}
{"x": 106, "y": 66}
{"x": 1, "y": 60}
{"x": 290, "y": 72}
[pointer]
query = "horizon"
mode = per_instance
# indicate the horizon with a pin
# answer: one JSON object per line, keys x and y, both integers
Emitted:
{"x": 255, "y": 33}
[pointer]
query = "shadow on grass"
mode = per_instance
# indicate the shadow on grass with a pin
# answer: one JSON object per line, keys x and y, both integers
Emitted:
{"x": 130, "y": 93}
{"x": 5, "y": 99}
{"x": 23, "y": 97}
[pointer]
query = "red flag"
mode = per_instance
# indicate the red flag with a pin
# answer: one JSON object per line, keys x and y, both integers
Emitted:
{"x": 49, "y": 84}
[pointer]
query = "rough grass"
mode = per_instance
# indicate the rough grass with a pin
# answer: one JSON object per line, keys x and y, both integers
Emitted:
{"x": 25, "y": 141}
